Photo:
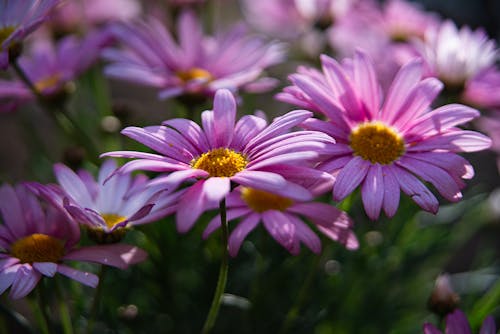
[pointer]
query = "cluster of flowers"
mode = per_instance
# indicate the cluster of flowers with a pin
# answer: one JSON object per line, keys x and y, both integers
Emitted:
{"x": 376, "y": 128}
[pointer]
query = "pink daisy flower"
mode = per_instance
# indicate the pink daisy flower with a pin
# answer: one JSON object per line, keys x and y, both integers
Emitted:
{"x": 52, "y": 68}
{"x": 282, "y": 218}
{"x": 109, "y": 208}
{"x": 18, "y": 19}
{"x": 385, "y": 148}
{"x": 196, "y": 65}
{"x": 37, "y": 237}
{"x": 457, "y": 323}
{"x": 248, "y": 152}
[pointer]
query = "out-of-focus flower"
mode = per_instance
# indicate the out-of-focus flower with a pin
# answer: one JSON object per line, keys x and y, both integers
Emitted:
{"x": 18, "y": 19}
{"x": 443, "y": 299}
{"x": 85, "y": 14}
{"x": 52, "y": 68}
{"x": 304, "y": 21}
{"x": 491, "y": 126}
{"x": 281, "y": 216}
{"x": 403, "y": 20}
{"x": 195, "y": 66}
{"x": 37, "y": 236}
{"x": 248, "y": 152}
{"x": 184, "y": 2}
{"x": 457, "y": 323}
{"x": 387, "y": 148}
{"x": 109, "y": 208}
{"x": 464, "y": 60}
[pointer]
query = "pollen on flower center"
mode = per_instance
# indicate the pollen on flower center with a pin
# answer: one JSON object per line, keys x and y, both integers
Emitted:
{"x": 194, "y": 73}
{"x": 220, "y": 162}
{"x": 260, "y": 201}
{"x": 38, "y": 248}
{"x": 5, "y": 32}
{"x": 376, "y": 142}
{"x": 112, "y": 219}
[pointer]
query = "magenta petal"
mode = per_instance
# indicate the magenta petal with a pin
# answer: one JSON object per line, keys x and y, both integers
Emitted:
{"x": 391, "y": 192}
{"x": 241, "y": 231}
{"x": 83, "y": 277}
{"x": 372, "y": 191}
{"x": 46, "y": 268}
{"x": 281, "y": 229}
{"x": 231, "y": 214}
{"x": 224, "y": 117}
{"x": 430, "y": 329}
{"x": 129, "y": 254}
{"x": 191, "y": 205}
{"x": 455, "y": 141}
{"x": 208, "y": 122}
{"x": 72, "y": 185}
{"x": 350, "y": 177}
{"x": 246, "y": 128}
{"x": 11, "y": 211}
{"x": 416, "y": 190}
{"x": 488, "y": 326}
{"x": 25, "y": 281}
{"x": 305, "y": 234}
{"x": 457, "y": 323}
{"x": 260, "y": 180}
{"x": 7, "y": 277}
{"x": 103, "y": 254}
{"x": 366, "y": 83}
{"x": 216, "y": 188}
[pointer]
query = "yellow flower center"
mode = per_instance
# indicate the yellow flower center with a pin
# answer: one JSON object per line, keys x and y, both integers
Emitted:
{"x": 260, "y": 201}
{"x": 220, "y": 162}
{"x": 38, "y": 248}
{"x": 5, "y": 32}
{"x": 112, "y": 219}
{"x": 194, "y": 73}
{"x": 377, "y": 142}
{"x": 48, "y": 82}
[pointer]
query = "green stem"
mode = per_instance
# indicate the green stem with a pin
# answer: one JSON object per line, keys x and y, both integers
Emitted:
{"x": 64, "y": 310}
{"x": 221, "y": 283}
{"x": 94, "y": 310}
{"x": 61, "y": 116}
{"x": 42, "y": 315}
{"x": 293, "y": 312}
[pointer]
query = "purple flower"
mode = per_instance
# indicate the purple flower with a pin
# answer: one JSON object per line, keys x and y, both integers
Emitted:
{"x": 281, "y": 216}
{"x": 385, "y": 148}
{"x": 457, "y": 323}
{"x": 36, "y": 237}
{"x": 52, "y": 68}
{"x": 250, "y": 153}
{"x": 109, "y": 208}
{"x": 18, "y": 19}
{"x": 197, "y": 64}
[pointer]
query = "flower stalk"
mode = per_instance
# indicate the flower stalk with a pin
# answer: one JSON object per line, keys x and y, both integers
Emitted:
{"x": 221, "y": 283}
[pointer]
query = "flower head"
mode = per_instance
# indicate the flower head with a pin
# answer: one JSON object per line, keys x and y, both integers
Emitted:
{"x": 456, "y": 56}
{"x": 197, "y": 65}
{"x": 109, "y": 208}
{"x": 248, "y": 152}
{"x": 457, "y": 323}
{"x": 385, "y": 148}
{"x": 52, "y": 68}
{"x": 37, "y": 236}
{"x": 282, "y": 218}
{"x": 18, "y": 19}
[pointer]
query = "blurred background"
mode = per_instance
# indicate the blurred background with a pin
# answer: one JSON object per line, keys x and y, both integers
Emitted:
{"x": 384, "y": 287}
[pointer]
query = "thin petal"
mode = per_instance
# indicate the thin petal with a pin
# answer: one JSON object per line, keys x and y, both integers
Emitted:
{"x": 224, "y": 117}
{"x": 240, "y": 232}
{"x": 350, "y": 177}
{"x": 281, "y": 229}
{"x": 46, "y": 268}
{"x": 24, "y": 282}
{"x": 416, "y": 190}
{"x": 391, "y": 192}
{"x": 216, "y": 188}
{"x": 83, "y": 277}
{"x": 372, "y": 191}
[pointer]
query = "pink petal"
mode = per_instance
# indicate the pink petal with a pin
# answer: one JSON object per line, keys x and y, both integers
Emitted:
{"x": 391, "y": 192}
{"x": 208, "y": 122}
{"x": 191, "y": 131}
{"x": 192, "y": 204}
{"x": 488, "y": 326}
{"x": 416, "y": 190}
{"x": 281, "y": 229}
{"x": 83, "y": 277}
{"x": 25, "y": 281}
{"x": 216, "y": 188}
{"x": 366, "y": 83}
{"x": 443, "y": 182}
{"x": 305, "y": 234}
{"x": 240, "y": 232}
{"x": 259, "y": 180}
{"x": 246, "y": 128}
{"x": 350, "y": 177}
{"x": 372, "y": 191}
{"x": 7, "y": 277}
{"x": 103, "y": 254}
{"x": 224, "y": 117}
{"x": 402, "y": 86}
{"x": 46, "y": 268}
{"x": 430, "y": 329}
{"x": 455, "y": 141}
{"x": 231, "y": 214}
{"x": 11, "y": 211}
